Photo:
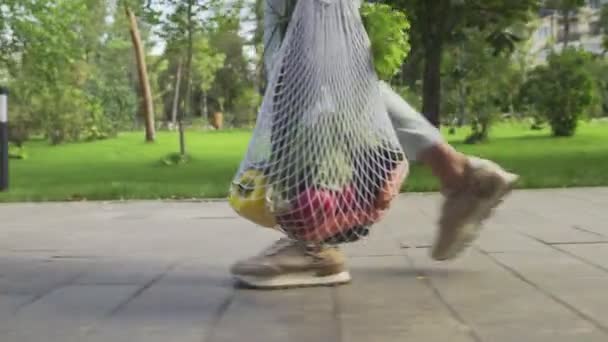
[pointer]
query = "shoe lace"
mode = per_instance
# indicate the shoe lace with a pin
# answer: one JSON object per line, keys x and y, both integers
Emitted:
{"x": 284, "y": 243}
{"x": 279, "y": 246}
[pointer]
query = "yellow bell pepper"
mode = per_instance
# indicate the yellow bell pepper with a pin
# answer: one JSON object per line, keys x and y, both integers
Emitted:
{"x": 248, "y": 198}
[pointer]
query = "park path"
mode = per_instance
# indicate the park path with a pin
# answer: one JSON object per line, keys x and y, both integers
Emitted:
{"x": 158, "y": 271}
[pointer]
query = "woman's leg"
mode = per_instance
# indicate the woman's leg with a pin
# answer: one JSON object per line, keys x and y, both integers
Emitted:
{"x": 287, "y": 263}
{"x": 473, "y": 187}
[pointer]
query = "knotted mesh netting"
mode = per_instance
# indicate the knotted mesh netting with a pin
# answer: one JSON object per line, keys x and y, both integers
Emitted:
{"x": 324, "y": 162}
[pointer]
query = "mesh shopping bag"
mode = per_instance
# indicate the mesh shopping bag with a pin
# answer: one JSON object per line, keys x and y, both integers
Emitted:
{"x": 324, "y": 162}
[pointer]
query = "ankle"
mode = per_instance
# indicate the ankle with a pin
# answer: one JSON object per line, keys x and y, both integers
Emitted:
{"x": 447, "y": 164}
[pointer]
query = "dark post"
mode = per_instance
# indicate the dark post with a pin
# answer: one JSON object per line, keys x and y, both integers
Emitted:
{"x": 3, "y": 138}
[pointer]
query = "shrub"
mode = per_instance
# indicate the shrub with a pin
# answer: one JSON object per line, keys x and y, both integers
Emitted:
{"x": 562, "y": 91}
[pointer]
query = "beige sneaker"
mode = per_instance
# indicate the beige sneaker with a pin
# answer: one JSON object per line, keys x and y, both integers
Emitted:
{"x": 288, "y": 263}
{"x": 464, "y": 210}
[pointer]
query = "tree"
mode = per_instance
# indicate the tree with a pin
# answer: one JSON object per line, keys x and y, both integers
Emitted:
{"x": 206, "y": 63}
{"x": 562, "y": 90}
{"x": 478, "y": 83}
{"x": 186, "y": 32}
{"x": 435, "y": 23}
{"x": 146, "y": 91}
{"x": 235, "y": 76}
{"x": 566, "y": 8}
{"x": 52, "y": 67}
{"x": 599, "y": 71}
{"x": 117, "y": 83}
{"x": 604, "y": 27}
{"x": 71, "y": 67}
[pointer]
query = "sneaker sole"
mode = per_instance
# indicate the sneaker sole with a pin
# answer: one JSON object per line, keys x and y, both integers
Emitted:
{"x": 294, "y": 280}
{"x": 470, "y": 231}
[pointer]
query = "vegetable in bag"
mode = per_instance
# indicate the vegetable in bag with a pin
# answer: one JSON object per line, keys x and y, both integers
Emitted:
{"x": 332, "y": 161}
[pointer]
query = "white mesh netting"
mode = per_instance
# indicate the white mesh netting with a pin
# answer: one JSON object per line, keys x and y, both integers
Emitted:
{"x": 324, "y": 162}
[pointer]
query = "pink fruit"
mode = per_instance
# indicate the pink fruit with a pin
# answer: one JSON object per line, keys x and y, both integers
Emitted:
{"x": 311, "y": 209}
{"x": 347, "y": 200}
{"x": 391, "y": 187}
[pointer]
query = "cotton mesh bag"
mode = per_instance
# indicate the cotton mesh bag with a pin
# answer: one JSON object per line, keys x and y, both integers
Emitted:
{"x": 324, "y": 162}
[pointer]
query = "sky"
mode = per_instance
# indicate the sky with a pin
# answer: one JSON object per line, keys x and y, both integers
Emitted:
{"x": 246, "y": 28}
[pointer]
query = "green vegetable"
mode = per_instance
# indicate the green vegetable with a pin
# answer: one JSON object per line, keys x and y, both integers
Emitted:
{"x": 387, "y": 29}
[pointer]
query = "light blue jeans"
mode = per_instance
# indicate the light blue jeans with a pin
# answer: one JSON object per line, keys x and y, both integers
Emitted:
{"x": 415, "y": 133}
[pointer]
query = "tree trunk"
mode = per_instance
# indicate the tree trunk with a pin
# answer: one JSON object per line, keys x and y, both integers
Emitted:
{"x": 462, "y": 105}
{"x": 188, "y": 97}
{"x": 201, "y": 108}
{"x": 182, "y": 141}
{"x": 485, "y": 128}
{"x": 205, "y": 112}
{"x": 143, "y": 76}
{"x": 434, "y": 30}
{"x": 431, "y": 87}
{"x": 566, "y": 28}
{"x": 178, "y": 84}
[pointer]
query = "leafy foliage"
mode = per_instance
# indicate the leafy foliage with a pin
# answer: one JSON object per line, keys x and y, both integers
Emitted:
{"x": 562, "y": 91}
{"x": 67, "y": 68}
{"x": 388, "y": 32}
{"x": 604, "y": 26}
{"x": 437, "y": 24}
{"x": 478, "y": 83}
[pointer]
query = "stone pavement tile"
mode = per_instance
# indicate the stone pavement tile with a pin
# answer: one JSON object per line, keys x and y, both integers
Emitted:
{"x": 122, "y": 272}
{"x": 387, "y": 302}
{"x": 35, "y": 277}
{"x": 9, "y": 304}
{"x": 497, "y": 237}
{"x": 297, "y": 315}
{"x": 20, "y": 213}
{"x": 595, "y": 197}
{"x": 428, "y": 203}
{"x": 579, "y": 286}
{"x": 382, "y": 241}
{"x": 170, "y": 308}
{"x": 412, "y": 222}
{"x": 595, "y": 254}
{"x": 498, "y": 306}
{"x": 202, "y": 272}
{"x": 167, "y": 212}
{"x": 66, "y": 314}
{"x": 179, "y": 313}
{"x": 131, "y": 245}
{"x": 544, "y": 227}
{"x": 560, "y": 211}
{"x": 170, "y": 211}
{"x": 417, "y": 231}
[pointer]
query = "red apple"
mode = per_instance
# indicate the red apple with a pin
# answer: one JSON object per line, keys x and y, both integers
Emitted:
{"x": 391, "y": 186}
{"x": 310, "y": 210}
{"x": 347, "y": 200}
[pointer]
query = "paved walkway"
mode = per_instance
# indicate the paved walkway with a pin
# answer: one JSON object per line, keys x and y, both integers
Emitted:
{"x": 157, "y": 271}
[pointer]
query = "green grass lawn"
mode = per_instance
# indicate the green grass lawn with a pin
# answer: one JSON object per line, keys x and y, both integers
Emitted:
{"x": 128, "y": 168}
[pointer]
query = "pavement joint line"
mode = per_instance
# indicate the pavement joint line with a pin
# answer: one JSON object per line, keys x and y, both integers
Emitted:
{"x": 555, "y": 247}
{"x": 373, "y": 256}
{"x": 518, "y": 275}
{"x": 404, "y": 246}
{"x": 39, "y": 296}
{"x": 583, "y": 199}
{"x": 579, "y": 228}
{"x": 337, "y": 313}
{"x": 141, "y": 290}
{"x": 218, "y": 315}
{"x": 453, "y": 312}
{"x": 556, "y": 243}
{"x": 573, "y": 243}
